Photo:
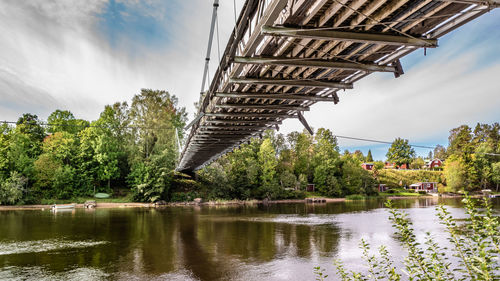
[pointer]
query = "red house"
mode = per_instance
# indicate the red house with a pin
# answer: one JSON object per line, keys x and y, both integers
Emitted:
{"x": 424, "y": 186}
{"x": 382, "y": 187}
{"x": 389, "y": 165}
{"x": 435, "y": 163}
{"x": 367, "y": 166}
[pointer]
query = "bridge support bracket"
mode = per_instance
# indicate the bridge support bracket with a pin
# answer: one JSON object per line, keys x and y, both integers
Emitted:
{"x": 399, "y": 68}
{"x": 304, "y": 122}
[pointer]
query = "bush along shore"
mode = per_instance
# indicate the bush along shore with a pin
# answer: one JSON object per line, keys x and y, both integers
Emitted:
{"x": 131, "y": 152}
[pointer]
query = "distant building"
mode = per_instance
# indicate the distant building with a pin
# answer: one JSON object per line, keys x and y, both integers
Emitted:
{"x": 382, "y": 187}
{"x": 424, "y": 186}
{"x": 389, "y": 165}
{"x": 434, "y": 163}
{"x": 367, "y": 166}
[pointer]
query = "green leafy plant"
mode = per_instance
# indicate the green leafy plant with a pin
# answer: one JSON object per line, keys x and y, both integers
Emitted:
{"x": 475, "y": 244}
{"x": 11, "y": 191}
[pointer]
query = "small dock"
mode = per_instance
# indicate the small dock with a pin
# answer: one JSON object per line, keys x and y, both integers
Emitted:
{"x": 315, "y": 200}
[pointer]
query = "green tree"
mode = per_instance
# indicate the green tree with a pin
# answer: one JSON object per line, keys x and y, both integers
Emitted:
{"x": 216, "y": 180}
{"x": 269, "y": 187}
{"x": 495, "y": 172}
{"x": 61, "y": 146}
{"x": 54, "y": 172}
{"x": 481, "y": 163}
{"x": 5, "y": 135}
{"x": 460, "y": 141}
{"x": 417, "y": 163}
{"x": 400, "y": 152}
{"x": 11, "y": 190}
{"x": 301, "y": 146}
{"x": 369, "y": 157}
{"x": 22, "y": 152}
{"x": 64, "y": 121}
{"x": 325, "y": 160}
{"x": 358, "y": 155}
{"x": 355, "y": 179}
{"x": 29, "y": 125}
{"x": 440, "y": 152}
{"x": 156, "y": 120}
{"x": 455, "y": 173}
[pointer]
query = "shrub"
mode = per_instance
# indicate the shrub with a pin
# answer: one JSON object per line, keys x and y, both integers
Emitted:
{"x": 477, "y": 249}
{"x": 422, "y": 192}
{"x": 63, "y": 182}
{"x": 391, "y": 191}
{"x": 183, "y": 196}
{"x": 11, "y": 191}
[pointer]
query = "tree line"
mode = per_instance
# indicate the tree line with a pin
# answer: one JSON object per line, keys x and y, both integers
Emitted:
{"x": 133, "y": 146}
{"x": 279, "y": 166}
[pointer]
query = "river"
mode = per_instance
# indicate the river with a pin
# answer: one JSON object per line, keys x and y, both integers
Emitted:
{"x": 252, "y": 242}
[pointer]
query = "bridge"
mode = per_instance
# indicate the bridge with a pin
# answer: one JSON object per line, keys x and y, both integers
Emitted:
{"x": 285, "y": 55}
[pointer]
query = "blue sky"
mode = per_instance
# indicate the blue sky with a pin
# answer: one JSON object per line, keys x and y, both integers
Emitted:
{"x": 82, "y": 55}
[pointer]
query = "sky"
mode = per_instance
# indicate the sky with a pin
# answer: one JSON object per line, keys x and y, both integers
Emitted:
{"x": 81, "y": 55}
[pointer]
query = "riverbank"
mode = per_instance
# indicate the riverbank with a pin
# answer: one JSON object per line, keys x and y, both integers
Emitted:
{"x": 216, "y": 203}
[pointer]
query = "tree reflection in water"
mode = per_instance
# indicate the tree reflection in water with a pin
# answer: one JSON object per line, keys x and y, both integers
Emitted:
{"x": 200, "y": 243}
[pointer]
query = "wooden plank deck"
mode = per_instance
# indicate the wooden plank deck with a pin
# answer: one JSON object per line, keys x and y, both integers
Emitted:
{"x": 285, "y": 55}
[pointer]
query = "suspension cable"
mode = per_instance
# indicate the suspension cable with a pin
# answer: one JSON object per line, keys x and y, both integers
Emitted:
{"x": 209, "y": 47}
{"x": 218, "y": 40}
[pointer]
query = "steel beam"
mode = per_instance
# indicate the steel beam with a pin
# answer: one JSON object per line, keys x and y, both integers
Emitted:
{"x": 251, "y": 115}
{"x": 318, "y": 63}
{"x": 350, "y": 36}
{"x": 231, "y": 121}
{"x": 273, "y": 96}
{"x": 232, "y": 127}
{"x": 291, "y": 82}
{"x": 264, "y": 106}
{"x": 227, "y": 132}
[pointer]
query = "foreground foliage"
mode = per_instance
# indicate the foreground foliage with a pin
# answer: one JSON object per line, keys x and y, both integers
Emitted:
{"x": 475, "y": 247}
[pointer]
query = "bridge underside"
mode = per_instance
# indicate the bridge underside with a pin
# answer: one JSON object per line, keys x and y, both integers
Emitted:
{"x": 286, "y": 55}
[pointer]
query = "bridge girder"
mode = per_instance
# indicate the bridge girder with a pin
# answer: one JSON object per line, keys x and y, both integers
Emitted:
{"x": 291, "y": 82}
{"x": 357, "y": 37}
{"x": 318, "y": 63}
{"x": 274, "y": 96}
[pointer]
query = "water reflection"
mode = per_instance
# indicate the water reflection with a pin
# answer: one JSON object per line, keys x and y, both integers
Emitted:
{"x": 273, "y": 242}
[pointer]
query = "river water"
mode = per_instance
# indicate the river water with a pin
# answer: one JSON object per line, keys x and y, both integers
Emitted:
{"x": 273, "y": 242}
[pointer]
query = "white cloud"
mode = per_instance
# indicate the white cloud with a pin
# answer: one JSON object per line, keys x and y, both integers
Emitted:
{"x": 52, "y": 55}
{"x": 55, "y": 49}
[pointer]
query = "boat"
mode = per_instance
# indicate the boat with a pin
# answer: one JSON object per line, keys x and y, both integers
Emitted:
{"x": 101, "y": 195}
{"x": 63, "y": 207}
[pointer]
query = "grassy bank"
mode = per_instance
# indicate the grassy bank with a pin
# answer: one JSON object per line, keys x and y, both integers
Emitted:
{"x": 396, "y": 178}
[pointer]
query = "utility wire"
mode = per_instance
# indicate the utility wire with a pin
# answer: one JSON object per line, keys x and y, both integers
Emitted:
{"x": 90, "y": 126}
{"x": 380, "y": 141}
{"x": 169, "y": 128}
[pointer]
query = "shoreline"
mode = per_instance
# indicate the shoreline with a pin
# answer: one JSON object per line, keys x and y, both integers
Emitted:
{"x": 105, "y": 205}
